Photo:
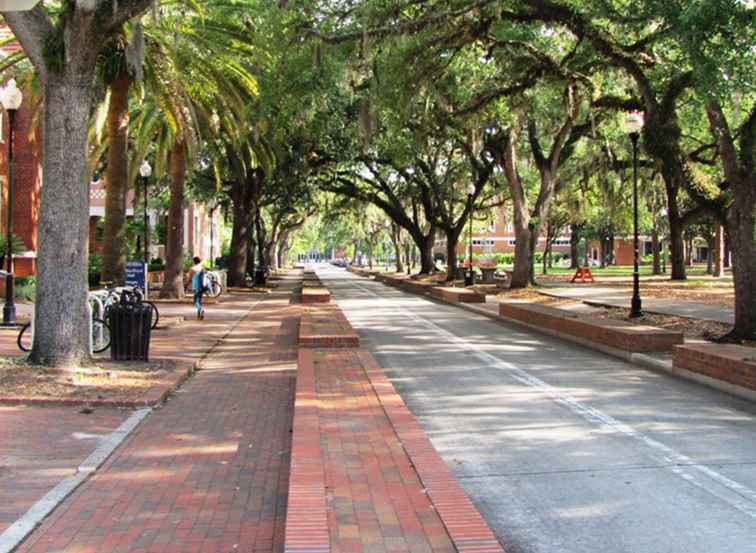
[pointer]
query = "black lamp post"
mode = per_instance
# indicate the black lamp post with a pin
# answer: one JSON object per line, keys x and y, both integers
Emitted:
{"x": 145, "y": 170}
{"x": 469, "y": 275}
{"x": 634, "y": 125}
{"x": 11, "y": 98}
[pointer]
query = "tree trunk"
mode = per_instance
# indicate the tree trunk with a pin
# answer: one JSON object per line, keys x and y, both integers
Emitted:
{"x": 689, "y": 252}
{"x": 718, "y": 251}
{"x": 62, "y": 326}
{"x": 427, "y": 266}
{"x": 533, "y": 247}
{"x": 676, "y": 242}
{"x": 522, "y": 261}
{"x": 173, "y": 286}
{"x": 242, "y": 227}
{"x": 742, "y": 232}
{"x": 396, "y": 239}
{"x": 574, "y": 242}
{"x": 237, "y": 265}
{"x": 116, "y": 182}
{"x": 452, "y": 240}
{"x": 655, "y": 247}
{"x": 710, "y": 254}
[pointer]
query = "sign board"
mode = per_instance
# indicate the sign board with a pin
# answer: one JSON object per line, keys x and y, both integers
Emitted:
{"x": 136, "y": 275}
{"x": 17, "y": 5}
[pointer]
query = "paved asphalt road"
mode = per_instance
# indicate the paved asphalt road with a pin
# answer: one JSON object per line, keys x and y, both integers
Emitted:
{"x": 561, "y": 448}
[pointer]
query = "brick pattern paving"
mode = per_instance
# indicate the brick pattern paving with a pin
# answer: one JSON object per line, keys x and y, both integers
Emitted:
{"x": 306, "y": 511}
{"x": 325, "y": 326}
{"x": 40, "y": 446}
{"x": 377, "y": 503}
{"x": 209, "y": 471}
{"x": 468, "y": 530}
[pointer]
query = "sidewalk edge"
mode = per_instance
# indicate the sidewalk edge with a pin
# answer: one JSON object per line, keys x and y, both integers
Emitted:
{"x": 19, "y": 530}
{"x": 466, "y": 527}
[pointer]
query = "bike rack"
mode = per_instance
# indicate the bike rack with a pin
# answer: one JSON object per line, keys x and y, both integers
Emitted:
{"x": 99, "y": 312}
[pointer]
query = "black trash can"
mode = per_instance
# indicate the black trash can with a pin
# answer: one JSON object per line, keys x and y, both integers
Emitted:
{"x": 130, "y": 328}
{"x": 261, "y": 276}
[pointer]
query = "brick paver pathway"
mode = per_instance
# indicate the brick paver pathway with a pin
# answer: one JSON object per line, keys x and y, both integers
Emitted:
{"x": 40, "y": 446}
{"x": 377, "y": 503}
{"x": 207, "y": 472}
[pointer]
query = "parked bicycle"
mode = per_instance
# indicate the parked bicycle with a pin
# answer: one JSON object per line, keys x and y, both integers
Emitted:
{"x": 112, "y": 295}
{"x": 100, "y": 335}
{"x": 216, "y": 287}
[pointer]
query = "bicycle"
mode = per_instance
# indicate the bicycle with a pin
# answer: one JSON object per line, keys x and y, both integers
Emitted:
{"x": 100, "y": 336}
{"x": 216, "y": 288}
{"x": 112, "y": 295}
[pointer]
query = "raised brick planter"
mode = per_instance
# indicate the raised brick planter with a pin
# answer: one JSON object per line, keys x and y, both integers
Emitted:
{"x": 727, "y": 362}
{"x": 391, "y": 280}
{"x": 315, "y": 295}
{"x": 306, "y": 509}
{"x": 417, "y": 286}
{"x": 466, "y": 527}
{"x": 615, "y": 334}
{"x": 457, "y": 295}
{"x": 325, "y": 326}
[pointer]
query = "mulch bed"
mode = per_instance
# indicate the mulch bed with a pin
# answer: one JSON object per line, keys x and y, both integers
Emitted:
{"x": 105, "y": 382}
{"x": 691, "y": 328}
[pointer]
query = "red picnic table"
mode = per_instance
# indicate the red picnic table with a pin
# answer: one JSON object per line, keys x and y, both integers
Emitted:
{"x": 583, "y": 273}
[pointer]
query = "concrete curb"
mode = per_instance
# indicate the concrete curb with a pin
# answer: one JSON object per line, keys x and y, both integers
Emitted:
{"x": 640, "y": 359}
{"x": 17, "y": 532}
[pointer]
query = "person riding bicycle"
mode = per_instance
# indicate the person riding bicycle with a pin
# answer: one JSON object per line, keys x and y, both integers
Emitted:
{"x": 200, "y": 285}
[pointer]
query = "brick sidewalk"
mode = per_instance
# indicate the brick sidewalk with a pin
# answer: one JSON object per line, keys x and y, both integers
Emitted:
{"x": 376, "y": 502}
{"x": 208, "y": 472}
{"x": 40, "y": 446}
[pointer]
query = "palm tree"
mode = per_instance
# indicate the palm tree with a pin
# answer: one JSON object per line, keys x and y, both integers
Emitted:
{"x": 195, "y": 84}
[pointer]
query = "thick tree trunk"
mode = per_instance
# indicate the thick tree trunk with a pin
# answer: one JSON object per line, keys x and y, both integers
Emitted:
{"x": 522, "y": 261}
{"x": 425, "y": 246}
{"x": 452, "y": 240}
{"x": 742, "y": 232}
{"x": 574, "y": 242}
{"x": 237, "y": 266}
{"x": 62, "y": 326}
{"x": 116, "y": 182}
{"x": 241, "y": 232}
{"x": 173, "y": 286}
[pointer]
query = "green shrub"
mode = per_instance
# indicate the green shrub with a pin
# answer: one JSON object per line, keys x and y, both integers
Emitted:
{"x": 156, "y": 264}
{"x": 17, "y": 245}
{"x": 26, "y": 288}
{"x": 94, "y": 270}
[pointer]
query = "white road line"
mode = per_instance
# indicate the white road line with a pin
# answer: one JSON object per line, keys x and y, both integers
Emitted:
{"x": 17, "y": 532}
{"x": 679, "y": 463}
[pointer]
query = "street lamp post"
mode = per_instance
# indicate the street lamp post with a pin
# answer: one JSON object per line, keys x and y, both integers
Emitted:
{"x": 469, "y": 275}
{"x": 11, "y": 98}
{"x": 634, "y": 125}
{"x": 145, "y": 170}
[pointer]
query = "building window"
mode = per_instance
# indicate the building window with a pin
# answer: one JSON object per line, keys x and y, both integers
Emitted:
{"x": 483, "y": 242}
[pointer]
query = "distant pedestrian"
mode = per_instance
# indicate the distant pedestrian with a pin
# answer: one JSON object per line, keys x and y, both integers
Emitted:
{"x": 200, "y": 285}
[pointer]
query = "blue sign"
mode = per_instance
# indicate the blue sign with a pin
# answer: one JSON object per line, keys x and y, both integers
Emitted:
{"x": 136, "y": 274}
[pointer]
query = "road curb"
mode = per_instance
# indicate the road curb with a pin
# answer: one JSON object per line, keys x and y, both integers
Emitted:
{"x": 639, "y": 359}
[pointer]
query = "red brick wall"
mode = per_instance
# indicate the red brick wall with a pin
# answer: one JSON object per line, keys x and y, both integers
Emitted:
{"x": 27, "y": 178}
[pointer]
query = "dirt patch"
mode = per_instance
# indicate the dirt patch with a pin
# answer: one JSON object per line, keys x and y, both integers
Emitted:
{"x": 532, "y": 295}
{"x": 105, "y": 382}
